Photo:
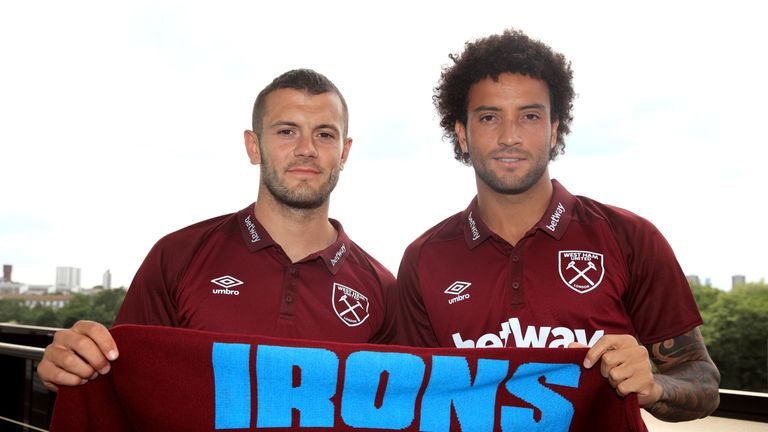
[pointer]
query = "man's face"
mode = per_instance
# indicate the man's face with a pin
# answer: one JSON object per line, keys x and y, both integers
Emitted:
{"x": 508, "y": 133}
{"x": 301, "y": 148}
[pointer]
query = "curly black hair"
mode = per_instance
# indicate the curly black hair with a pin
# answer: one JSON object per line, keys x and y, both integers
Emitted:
{"x": 510, "y": 52}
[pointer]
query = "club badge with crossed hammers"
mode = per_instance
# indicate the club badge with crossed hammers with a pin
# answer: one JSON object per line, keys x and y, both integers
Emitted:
{"x": 588, "y": 268}
{"x": 581, "y": 273}
{"x": 353, "y": 308}
{"x": 350, "y": 308}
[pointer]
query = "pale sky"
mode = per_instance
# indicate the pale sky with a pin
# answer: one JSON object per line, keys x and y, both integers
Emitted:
{"x": 122, "y": 122}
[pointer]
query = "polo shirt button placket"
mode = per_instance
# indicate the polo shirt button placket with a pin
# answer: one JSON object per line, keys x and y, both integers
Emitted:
{"x": 292, "y": 285}
{"x": 515, "y": 276}
{"x": 289, "y": 291}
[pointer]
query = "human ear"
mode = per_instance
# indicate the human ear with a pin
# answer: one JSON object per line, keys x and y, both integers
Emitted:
{"x": 345, "y": 151}
{"x": 252, "y": 146}
{"x": 461, "y": 134}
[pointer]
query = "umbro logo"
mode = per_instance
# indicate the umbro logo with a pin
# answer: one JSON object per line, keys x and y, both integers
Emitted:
{"x": 226, "y": 282}
{"x": 456, "y": 289}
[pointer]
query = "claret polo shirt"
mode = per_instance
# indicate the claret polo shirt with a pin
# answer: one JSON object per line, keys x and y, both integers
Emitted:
{"x": 584, "y": 270}
{"x": 226, "y": 274}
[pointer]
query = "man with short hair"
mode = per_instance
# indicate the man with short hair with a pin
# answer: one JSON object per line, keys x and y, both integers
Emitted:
{"x": 280, "y": 267}
{"x": 528, "y": 264}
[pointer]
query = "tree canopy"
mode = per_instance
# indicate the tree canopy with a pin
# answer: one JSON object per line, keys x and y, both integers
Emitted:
{"x": 101, "y": 307}
{"x": 736, "y": 333}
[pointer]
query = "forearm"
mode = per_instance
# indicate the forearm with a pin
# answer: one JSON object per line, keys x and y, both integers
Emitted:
{"x": 688, "y": 392}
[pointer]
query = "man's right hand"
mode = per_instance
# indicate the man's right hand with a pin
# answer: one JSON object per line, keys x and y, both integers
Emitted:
{"x": 77, "y": 355}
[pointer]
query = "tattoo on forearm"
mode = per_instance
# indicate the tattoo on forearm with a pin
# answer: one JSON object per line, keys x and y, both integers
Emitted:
{"x": 687, "y": 376}
{"x": 683, "y": 348}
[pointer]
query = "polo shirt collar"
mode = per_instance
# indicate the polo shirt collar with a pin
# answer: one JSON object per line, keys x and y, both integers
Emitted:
{"x": 559, "y": 213}
{"x": 256, "y": 238}
{"x": 554, "y": 222}
{"x": 335, "y": 254}
{"x": 475, "y": 230}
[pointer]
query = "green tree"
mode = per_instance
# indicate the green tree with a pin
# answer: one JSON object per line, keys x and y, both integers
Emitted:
{"x": 705, "y": 296}
{"x": 736, "y": 333}
{"x": 101, "y": 307}
{"x": 44, "y": 316}
{"x": 79, "y": 307}
{"x": 109, "y": 302}
{"x": 13, "y": 311}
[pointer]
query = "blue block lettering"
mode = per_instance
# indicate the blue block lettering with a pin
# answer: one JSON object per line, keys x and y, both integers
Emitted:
{"x": 276, "y": 394}
{"x": 361, "y": 382}
{"x": 556, "y": 411}
{"x": 232, "y": 385}
{"x": 474, "y": 402}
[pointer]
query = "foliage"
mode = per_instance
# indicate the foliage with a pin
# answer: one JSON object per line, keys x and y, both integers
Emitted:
{"x": 705, "y": 295}
{"x": 736, "y": 333}
{"x": 101, "y": 307}
{"x": 13, "y": 311}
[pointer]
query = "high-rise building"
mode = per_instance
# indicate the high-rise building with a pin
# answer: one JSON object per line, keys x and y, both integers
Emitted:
{"x": 738, "y": 280}
{"x": 7, "y": 285}
{"x": 67, "y": 279}
{"x": 7, "y": 270}
{"x": 106, "y": 280}
{"x": 693, "y": 279}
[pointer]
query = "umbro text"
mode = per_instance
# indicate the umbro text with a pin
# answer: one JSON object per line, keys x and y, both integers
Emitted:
{"x": 225, "y": 291}
{"x": 458, "y": 298}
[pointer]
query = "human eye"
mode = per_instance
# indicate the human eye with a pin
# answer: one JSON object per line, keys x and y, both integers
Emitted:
{"x": 486, "y": 118}
{"x": 326, "y": 135}
{"x": 285, "y": 131}
{"x": 531, "y": 116}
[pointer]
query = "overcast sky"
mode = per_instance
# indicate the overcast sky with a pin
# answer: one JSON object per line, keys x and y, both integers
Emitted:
{"x": 121, "y": 122}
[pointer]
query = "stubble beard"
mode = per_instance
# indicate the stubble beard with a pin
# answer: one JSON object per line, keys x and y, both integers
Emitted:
{"x": 511, "y": 184}
{"x": 300, "y": 198}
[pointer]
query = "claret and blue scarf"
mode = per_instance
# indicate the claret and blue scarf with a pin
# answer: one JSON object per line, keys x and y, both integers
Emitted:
{"x": 170, "y": 379}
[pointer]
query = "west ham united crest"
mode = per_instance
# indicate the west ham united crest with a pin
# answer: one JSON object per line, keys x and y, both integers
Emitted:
{"x": 350, "y": 306}
{"x": 582, "y": 271}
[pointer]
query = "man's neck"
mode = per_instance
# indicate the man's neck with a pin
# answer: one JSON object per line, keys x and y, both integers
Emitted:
{"x": 512, "y": 216}
{"x": 299, "y": 232}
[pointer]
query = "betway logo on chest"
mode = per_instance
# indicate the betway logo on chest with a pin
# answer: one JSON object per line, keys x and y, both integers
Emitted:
{"x": 532, "y": 337}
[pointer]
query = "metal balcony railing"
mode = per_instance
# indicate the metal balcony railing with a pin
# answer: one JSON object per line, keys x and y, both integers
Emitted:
{"x": 25, "y": 404}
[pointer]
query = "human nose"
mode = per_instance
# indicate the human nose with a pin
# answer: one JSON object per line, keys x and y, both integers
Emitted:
{"x": 510, "y": 133}
{"x": 305, "y": 147}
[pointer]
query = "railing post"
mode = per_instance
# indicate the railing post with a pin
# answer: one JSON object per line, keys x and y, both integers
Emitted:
{"x": 12, "y": 376}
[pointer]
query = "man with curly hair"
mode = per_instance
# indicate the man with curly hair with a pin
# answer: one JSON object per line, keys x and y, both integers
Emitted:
{"x": 528, "y": 264}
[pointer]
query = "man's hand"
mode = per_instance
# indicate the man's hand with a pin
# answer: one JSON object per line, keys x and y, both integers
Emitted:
{"x": 685, "y": 387}
{"x": 627, "y": 366}
{"x": 77, "y": 355}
